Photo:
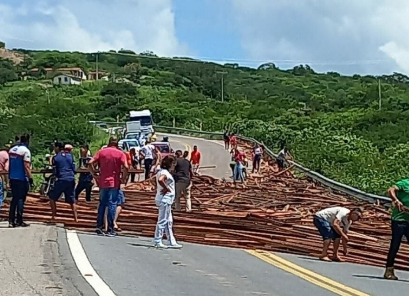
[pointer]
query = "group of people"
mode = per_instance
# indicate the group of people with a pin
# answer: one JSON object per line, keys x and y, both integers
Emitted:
{"x": 108, "y": 169}
{"x": 173, "y": 178}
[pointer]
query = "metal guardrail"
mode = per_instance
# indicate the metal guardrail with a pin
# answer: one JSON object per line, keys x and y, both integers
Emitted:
{"x": 334, "y": 185}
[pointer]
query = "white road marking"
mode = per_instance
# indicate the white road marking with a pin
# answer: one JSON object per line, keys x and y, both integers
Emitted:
{"x": 85, "y": 267}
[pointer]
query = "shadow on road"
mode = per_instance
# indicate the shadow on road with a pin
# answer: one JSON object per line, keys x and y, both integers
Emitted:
{"x": 372, "y": 277}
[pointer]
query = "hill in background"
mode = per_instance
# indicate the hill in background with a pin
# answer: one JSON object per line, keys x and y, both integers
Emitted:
{"x": 332, "y": 123}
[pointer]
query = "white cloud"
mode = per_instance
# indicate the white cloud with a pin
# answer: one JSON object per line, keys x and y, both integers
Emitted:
{"x": 346, "y": 35}
{"x": 90, "y": 25}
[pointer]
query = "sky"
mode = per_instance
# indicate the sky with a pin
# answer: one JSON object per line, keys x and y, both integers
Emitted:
{"x": 346, "y": 36}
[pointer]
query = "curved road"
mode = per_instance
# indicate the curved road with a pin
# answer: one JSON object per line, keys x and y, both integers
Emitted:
{"x": 129, "y": 266}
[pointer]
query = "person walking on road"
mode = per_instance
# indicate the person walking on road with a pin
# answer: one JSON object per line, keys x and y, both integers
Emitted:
{"x": 399, "y": 193}
{"x": 112, "y": 162}
{"x": 64, "y": 171}
{"x": 20, "y": 180}
{"x": 147, "y": 152}
{"x": 4, "y": 167}
{"x": 85, "y": 179}
{"x": 165, "y": 196}
{"x": 195, "y": 159}
{"x": 233, "y": 141}
{"x": 333, "y": 224}
{"x": 226, "y": 139}
{"x": 183, "y": 178}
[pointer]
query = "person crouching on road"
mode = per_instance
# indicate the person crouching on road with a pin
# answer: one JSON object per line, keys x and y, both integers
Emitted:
{"x": 333, "y": 224}
{"x": 164, "y": 199}
{"x": 399, "y": 193}
{"x": 85, "y": 180}
{"x": 64, "y": 170}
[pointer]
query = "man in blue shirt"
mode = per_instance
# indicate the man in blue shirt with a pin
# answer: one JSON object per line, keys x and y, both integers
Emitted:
{"x": 20, "y": 180}
{"x": 64, "y": 170}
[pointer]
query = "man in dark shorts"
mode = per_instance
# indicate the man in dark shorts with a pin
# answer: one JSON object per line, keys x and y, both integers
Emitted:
{"x": 333, "y": 224}
{"x": 226, "y": 139}
{"x": 64, "y": 170}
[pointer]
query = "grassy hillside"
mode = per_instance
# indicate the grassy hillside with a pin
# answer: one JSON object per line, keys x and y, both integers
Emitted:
{"x": 331, "y": 122}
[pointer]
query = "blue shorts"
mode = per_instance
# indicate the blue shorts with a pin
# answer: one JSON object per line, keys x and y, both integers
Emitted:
{"x": 121, "y": 198}
{"x": 66, "y": 187}
{"x": 325, "y": 229}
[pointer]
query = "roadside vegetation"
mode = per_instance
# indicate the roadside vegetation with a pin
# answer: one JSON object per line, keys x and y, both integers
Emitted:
{"x": 332, "y": 123}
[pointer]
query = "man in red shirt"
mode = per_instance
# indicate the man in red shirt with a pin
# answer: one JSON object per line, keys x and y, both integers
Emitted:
{"x": 111, "y": 161}
{"x": 195, "y": 158}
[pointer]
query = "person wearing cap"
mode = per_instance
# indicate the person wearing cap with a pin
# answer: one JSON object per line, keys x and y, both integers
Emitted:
{"x": 399, "y": 194}
{"x": 20, "y": 180}
{"x": 333, "y": 224}
{"x": 112, "y": 162}
{"x": 64, "y": 171}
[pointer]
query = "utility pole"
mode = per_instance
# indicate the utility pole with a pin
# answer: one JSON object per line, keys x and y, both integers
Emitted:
{"x": 380, "y": 95}
{"x": 96, "y": 66}
{"x": 222, "y": 73}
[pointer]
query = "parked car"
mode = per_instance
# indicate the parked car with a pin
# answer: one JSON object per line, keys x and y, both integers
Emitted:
{"x": 164, "y": 148}
{"x": 127, "y": 144}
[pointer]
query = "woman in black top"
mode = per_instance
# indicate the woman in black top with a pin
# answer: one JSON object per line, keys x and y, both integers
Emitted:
{"x": 226, "y": 139}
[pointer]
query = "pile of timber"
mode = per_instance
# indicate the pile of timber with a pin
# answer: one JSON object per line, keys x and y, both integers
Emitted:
{"x": 272, "y": 212}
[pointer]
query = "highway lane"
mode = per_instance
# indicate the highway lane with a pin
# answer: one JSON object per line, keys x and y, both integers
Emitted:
{"x": 205, "y": 270}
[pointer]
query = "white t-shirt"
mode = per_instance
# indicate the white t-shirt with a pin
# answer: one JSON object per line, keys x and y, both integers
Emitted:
{"x": 148, "y": 151}
{"x": 170, "y": 182}
{"x": 339, "y": 213}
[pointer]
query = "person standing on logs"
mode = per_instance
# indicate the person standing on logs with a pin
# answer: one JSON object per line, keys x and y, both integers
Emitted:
{"x": 196, "y": 159}
{"x": 333, "y": 224}
{"x": 20, "y": 180}
{"x": 85, "y": 180}
{"x": 112, "y": 162}
{"x": 239, "y": 169}
{"x": 257, "y": 153}
{"x": 183, "y": 178}
{"x": 4, "y": 166}
{"x": 64, "y": 171}
{"x": 147, "y": 153}
{"x": 165, "y": 196}
{"x": 399, "y": 193}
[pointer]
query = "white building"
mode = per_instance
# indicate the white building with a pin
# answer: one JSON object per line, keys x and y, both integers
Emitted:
{"x": 67, "y": 80}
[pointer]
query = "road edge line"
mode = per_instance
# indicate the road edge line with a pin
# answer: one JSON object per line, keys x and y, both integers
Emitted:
{"x": 84, "y": 265}
{"x": 306, "y": 274}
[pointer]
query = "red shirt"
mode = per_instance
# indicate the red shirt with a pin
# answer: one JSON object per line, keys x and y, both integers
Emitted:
{"x": 110, "y": 160}
{"x": 195, "y": 157}
{"x": 233, "y": 139}
{"x": 239, "y": 157}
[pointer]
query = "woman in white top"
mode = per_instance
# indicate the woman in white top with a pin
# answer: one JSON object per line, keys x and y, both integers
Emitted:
{"x": 165, "y": 196}
{"x": 257, "y": 153}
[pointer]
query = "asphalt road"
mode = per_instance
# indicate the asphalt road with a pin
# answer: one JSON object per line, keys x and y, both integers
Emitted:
{"x": 38, "y": 261}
